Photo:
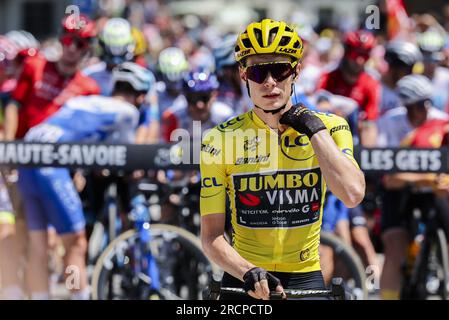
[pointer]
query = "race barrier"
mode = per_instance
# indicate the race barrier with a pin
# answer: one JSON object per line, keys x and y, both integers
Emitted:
{"x": 185, "y": 157}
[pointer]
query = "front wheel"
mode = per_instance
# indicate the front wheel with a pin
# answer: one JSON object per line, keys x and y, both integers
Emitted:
{"x": 184, "y": 270}
{"x": 347, "y": 265}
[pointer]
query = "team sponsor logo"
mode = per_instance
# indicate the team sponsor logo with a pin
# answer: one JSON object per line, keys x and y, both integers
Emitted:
{"x": 251, "y": 144}
{"x": 304, "y": 255}
{"x": 243, "y": 53}
{"x": 210, "y": 149}
{"x": 232, "y": 124}
{"x": 283, "y": 199}
{"x": 339, "y": 128}
{"x": 252, "y": 160}
{"x": 209, "y": 183}
{"x": 287, "y": 50}
{"x": 299, "y": 141}
{"x": 297, "y": 148}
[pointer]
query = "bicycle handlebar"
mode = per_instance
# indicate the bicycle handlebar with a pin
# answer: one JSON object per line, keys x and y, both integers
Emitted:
{"x": 337, "y": 291}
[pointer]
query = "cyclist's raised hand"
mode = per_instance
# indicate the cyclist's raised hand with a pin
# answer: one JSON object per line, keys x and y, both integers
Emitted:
{"x": 259, "y": 282}
{"x": 300, "y": 118}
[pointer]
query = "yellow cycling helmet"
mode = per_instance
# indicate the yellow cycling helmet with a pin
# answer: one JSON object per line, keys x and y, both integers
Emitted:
{"x": 140, "y": 42}
{"x": 268, "y": 36}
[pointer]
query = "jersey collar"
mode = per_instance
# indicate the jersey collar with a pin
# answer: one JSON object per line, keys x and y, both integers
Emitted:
{"x": 261, "y": 124}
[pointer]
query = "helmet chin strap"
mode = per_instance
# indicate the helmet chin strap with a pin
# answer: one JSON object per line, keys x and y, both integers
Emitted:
{"x": 271, "y": 111}
{"x": 274, "y": 111}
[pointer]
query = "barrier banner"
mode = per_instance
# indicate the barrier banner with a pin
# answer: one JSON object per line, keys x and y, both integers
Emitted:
{"x": 185, "y": 157}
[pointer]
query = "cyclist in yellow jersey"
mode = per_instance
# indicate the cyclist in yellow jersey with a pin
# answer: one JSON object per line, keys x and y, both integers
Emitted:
{"x": 274, "y": 164}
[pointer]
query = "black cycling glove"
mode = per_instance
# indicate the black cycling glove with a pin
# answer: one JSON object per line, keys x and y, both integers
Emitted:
{"x": 255, "y": 275}
{"x": 302, "y": 120}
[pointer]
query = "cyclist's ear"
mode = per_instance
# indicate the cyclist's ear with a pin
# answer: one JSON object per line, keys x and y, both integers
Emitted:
{"x": 243, "y": 74}
{"x": 297, "y": 70}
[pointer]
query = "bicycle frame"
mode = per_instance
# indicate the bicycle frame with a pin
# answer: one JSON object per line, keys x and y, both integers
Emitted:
{"x": 145, "y": 265}
{"x": 413, "y": 288}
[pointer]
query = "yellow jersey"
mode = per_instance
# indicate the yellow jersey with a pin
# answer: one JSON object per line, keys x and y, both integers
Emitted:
{"x": 275, "y": 189}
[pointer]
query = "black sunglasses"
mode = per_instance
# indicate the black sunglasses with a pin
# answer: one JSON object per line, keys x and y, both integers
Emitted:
{"x": 195, "y": 97}
{"x": 278, "y": 70}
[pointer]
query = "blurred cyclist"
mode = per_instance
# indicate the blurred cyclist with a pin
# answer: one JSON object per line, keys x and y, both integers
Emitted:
{"x": 350, "y": 80}
{"x": 401, "y": 57}
{"x": 232, "y": 90}
{"x": 140, "y": 47}
{"x": 172, "y": 67}
{"x": 117, "y": 46}
{"x": 15, "y": 46}
{"x": 200, "y": 89}
{"x": 415, "y": 92}
{"x": 431, "y": 44}
{"x": 50, "y": 194}
{"x": 43, "y": 86}
{"x": 58, "y": 81}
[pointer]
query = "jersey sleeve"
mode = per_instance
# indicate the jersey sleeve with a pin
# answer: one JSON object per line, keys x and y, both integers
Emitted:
{"x": 322, "y": 82}
{"x": 341, "y": 134}
{"x": 213, "y": 174}
{"x": 24, "y": 83}
{"x": 373, "y": 101}
{"x": 169, "y": 123}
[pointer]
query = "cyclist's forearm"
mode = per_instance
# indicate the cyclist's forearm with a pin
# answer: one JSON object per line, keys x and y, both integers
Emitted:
{"x": 400, "y": 180}
{"x": 11, "y": 121}
{"x": 368, "y": 134}
{"x": 226, "y": 257}
{"x": 344, "y": 179}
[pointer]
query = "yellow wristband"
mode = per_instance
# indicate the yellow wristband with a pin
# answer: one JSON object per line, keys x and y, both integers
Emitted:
{"x": 7, "y": 217}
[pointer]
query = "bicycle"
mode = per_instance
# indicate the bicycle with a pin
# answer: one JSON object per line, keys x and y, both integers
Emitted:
{"x": 151, "y": 261}
{"x": 426, "y": 273}
{"x": 350, "y": 267}
{"x": 336, "y": 292}
{"x": 109, "y": 226}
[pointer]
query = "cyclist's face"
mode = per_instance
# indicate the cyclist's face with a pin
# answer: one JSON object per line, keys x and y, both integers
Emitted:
{"x": 417, "y": 113}
{"x": 270, "y": 94}
{"x": 355, "y": 61}
{"x": 200, "y": 104}
{"x": 73, "y": 49}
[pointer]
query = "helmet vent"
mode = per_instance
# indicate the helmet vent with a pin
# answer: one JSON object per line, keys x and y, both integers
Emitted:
{"x": 284, "y": 41}
{"x": 247, "y": 43}
{"x": 273, "y": 33}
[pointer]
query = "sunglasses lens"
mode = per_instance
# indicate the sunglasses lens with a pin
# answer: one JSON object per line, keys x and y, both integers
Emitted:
{"x": 68, "y": 40}
{"x": 257, "y": 73}
{"x": 279, "y": 72}
{"x": 196, "y": 97}
{"x": 354, "y": 55}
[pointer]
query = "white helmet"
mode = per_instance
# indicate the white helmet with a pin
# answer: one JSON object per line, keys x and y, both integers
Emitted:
{"x": 140, "y": 78}
{"x": 26, "y": 43}
{"x": 117, "y": 41}
{"x": 414, "y": 88}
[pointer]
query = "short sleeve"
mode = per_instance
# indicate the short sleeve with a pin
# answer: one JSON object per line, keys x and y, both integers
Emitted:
{"x": 341, "y": 134}
{"x": 213, "y": 174}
